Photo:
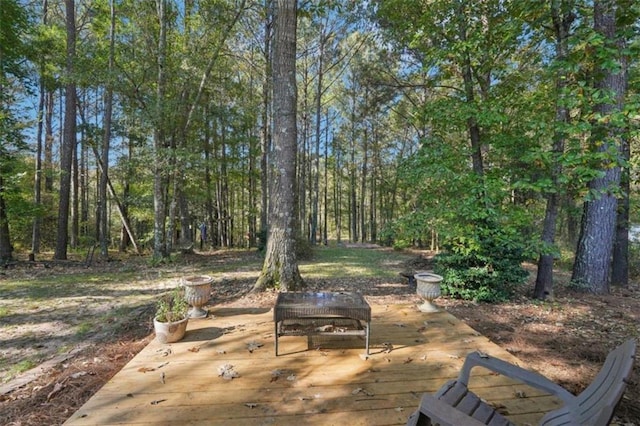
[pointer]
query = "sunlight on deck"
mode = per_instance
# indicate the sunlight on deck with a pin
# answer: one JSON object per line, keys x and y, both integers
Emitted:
{"x": 313, "y": 381}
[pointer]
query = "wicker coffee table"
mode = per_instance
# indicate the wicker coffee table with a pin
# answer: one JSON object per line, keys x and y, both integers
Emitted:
{"x": 328, "y": 314}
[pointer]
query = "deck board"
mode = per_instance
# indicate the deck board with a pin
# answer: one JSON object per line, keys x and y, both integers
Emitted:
{"x": 330, "y": 385}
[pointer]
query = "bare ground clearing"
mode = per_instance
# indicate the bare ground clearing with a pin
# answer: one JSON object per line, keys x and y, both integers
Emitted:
{"x": 566, "y": 339}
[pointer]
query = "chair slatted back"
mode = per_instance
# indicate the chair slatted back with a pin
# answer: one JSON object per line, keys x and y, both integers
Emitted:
{"x": 595, "y": 405}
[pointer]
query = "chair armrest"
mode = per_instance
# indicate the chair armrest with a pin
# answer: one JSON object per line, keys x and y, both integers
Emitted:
{"x": 512, "y": 371}
{"x": 439, "y": 412}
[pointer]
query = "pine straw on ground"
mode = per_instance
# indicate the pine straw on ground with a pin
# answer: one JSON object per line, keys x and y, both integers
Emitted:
{"x": 566, "y": 339}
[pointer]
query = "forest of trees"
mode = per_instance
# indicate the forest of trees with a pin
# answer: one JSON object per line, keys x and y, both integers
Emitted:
{"x": 132, "y": 125}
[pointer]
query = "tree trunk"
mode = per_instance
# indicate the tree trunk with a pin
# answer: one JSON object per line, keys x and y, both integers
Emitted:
{"x": 208, "y": 237}
{"x": 48, "y": 142}
{"x": 562, "y": 19}
{"x": 6, "y": 250}
{"x": 280, "y": 267}
{"x": 159, "y": 182}
{"x": 620, "y": 264}
{"x": 318, "y": 116}
{"x": 126, "y": 190}
{"x": 106, "y": 142}
{"x": 79, "y": 188}
{"x": 467, "y": 76}
{"x": 595, "y": 246}
{"x": 325, "y": 231}
{"x": 265, "y": 143}
{"x": 337, "y": 190}
{"x": 69, "y": 140}
{"x": 353, "y": 200}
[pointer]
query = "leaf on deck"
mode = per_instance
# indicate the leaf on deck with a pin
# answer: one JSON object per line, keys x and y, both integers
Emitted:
{"x": 253, "y": 345}
{"x": 363, "y": 391}
{"x": 227, "y": 372}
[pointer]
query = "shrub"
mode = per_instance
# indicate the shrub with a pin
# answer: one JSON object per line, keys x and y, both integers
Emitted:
{"x": 486, "y": 268}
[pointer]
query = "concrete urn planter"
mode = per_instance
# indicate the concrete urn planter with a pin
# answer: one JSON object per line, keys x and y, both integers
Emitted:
{"x": 428, "y": 287}
{"x": 197, "y": 293}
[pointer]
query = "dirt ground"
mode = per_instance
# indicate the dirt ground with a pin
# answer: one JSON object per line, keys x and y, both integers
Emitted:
{"x": 566, "y": 338}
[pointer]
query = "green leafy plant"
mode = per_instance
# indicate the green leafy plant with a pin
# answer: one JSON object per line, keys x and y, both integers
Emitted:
{"x": 486, "y": 268}
{"x": 172, "y": 306}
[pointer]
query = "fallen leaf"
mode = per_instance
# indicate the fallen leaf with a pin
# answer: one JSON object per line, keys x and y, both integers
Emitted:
{"x": 194, "y": 349}
{"x": 145, "y": 369}
{"x": 227, "y": 372}
{"x": 407, "y": 361}
{"x": 164, "y": 351}
{"x": 363, "y": 391}
{"x": 253, "y": 345}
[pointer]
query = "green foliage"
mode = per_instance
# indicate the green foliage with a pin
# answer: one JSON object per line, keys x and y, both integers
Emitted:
{"x": 22, "y": 366}
{"x": 483, "y": 267}
{"x": 634, "y": 260}
{"x": 13, "y": 31}
{"x": 172, "y": 306}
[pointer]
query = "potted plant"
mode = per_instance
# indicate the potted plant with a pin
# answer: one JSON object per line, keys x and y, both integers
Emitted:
{"x": 170, "y": 322}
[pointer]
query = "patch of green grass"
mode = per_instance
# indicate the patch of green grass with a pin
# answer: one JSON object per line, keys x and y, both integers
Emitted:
{"x": 70, "y": 284}
{"x": 63, "y": 349}
{"x": 22, "y": 366}
{"x": 4, "y": 311}
{"x": 85, "y": 328}
{"x": 340, "y": 262}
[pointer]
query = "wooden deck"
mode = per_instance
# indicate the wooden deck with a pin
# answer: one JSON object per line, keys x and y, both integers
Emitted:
{"x": 334, "y": 385}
